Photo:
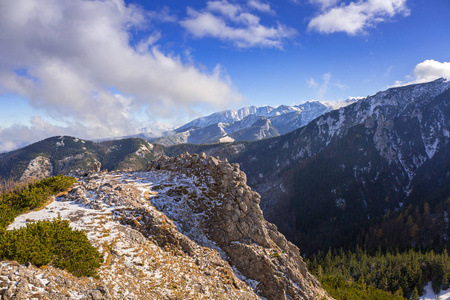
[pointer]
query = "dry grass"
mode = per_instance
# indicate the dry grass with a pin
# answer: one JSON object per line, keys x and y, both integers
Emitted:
{"x": 14, "y": 186}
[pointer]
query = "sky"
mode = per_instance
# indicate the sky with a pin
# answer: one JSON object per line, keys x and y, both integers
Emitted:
{"x": 96, "y": 69}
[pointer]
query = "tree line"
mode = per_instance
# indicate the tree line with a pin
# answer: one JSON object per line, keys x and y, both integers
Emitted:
{"x": 399, "y": 273}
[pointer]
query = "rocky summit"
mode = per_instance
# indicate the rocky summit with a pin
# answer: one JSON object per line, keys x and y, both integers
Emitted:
{"x": 187, "y": 228}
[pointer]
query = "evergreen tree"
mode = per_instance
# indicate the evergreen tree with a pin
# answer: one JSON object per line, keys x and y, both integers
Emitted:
{"x": 414, "y": 295}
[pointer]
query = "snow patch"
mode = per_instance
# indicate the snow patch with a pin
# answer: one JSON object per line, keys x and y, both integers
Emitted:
{"x": 431, "y": 148}
{"x": 144, "y": 149}
{"x": 430, "y": 295}
{"x": 60, "y": 143}
{"x": 446, "y": 132}
{"x": 340, "y": 203}
{"x": 226, "y": 139}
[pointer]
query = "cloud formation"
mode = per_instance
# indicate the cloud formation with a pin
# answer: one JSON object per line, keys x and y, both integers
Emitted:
{"x": 311, "y": 83}
{"x": 426, "y": 71}
{"x": 75, "y": 60}
{"x": 430, "y": 70}
{"x": 231, "y": 22}
{"x": 262, "y": 7}
{"x": 355, "y": 17}
{"x": 322, "y": 88}
{"x": 323, "y": 4}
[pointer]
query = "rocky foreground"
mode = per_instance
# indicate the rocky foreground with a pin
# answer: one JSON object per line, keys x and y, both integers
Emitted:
{"x": 189, "y": 228}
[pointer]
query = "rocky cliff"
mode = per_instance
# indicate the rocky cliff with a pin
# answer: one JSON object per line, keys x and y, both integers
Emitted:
{"x": 188, "y": 228}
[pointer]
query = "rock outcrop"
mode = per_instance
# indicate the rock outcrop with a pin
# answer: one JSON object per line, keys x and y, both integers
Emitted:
{"x": 188, "y": 228}
{"x": 38, "y": 168}
{"x": 20, "y": 282}
{"x": 236, "y": 224}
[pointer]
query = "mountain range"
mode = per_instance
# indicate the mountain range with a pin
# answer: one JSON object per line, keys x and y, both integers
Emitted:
{"x": 246, "y": 124}
{"x": 330, "y": 183}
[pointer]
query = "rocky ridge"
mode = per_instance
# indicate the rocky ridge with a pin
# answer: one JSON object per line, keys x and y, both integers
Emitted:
{"x": 189, "y": 228}
{"x": 236, "y": 224}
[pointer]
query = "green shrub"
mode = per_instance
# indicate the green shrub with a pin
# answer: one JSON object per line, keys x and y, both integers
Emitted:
{"x": 31, "y": 196}
{"x": 51, "y": 242}
{"x": 44, "y": 242}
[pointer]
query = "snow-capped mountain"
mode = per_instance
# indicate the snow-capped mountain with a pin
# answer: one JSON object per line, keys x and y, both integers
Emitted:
{"x": 249, "y": 123}
{"x": 156, "y": 129}
{"x": 359, "y": 162}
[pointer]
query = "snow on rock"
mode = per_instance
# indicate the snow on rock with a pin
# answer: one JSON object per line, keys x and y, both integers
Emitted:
{"x": 144, "y": 149}
{"x": 145, "y": 255}
{"x": 189, "y": 228}
{"x": 39, "y": 167}
{"x": 226, "y": 139}
{"x": 431, "y": 148}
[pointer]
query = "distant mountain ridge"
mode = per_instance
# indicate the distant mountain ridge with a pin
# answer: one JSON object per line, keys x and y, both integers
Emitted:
{"x": 248, "y": 123}
{"x": 61, "y": 154}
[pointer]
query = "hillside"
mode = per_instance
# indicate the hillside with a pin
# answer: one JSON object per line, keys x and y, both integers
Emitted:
{"x": 62, "y": 154}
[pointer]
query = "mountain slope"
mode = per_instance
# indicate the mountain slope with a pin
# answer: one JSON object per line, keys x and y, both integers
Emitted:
{"x": 189, "y": 228}
{"x": 355, "y": 164}
{"x": 349, "y": 166}
{"x": 62, "y": 154}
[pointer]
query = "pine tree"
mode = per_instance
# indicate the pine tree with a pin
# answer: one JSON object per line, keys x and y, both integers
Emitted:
{"x": 414, "y": 295}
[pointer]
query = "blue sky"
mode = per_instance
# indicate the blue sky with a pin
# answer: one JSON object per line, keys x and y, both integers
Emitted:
{"x": 97, "y": 69}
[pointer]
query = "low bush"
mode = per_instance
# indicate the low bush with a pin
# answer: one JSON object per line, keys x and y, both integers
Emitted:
{"x": 44, "y": 242}
{"x": 51, "y": 242}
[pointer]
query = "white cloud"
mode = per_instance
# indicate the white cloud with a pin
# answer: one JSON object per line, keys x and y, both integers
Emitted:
{"x": 355, "y": 17}
{"x": 19, "y": 135}
{"x": 164, "y": 15}
{"x": 324, "y": 86}
{"x": 311, "y": 83}
{"x": 324, "y": 3}
{"x": 388, "y": 71}
{"x": 231, "y": 23}
{"x": 426, "y": 71}
{"x": 263, "y": 7}
{"x": 431, "y": 70}
{"x": 73, "y": 59}
{"x": 341, "y": 86}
